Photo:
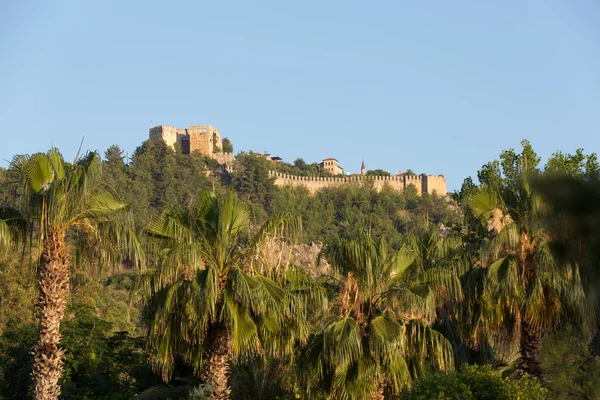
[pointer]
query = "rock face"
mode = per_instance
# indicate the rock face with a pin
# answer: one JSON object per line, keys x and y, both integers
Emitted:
{"x": 307, "y": 256}
{"x": 277, "y": 255}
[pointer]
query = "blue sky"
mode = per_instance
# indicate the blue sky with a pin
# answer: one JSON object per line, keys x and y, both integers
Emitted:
{"x": 438, "y": 87}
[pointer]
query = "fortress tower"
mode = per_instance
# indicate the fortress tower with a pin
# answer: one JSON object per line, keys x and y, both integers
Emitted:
{"x": 203, "y": 138}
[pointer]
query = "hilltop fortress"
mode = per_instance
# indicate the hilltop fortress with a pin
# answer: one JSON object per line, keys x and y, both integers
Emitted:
{"x": 202, "y": 138}
{"x": 207, "y": 140}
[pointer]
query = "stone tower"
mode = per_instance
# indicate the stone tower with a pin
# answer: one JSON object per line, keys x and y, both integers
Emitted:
{"x": 203, "y": 138}
{"x": 363, "y": 170}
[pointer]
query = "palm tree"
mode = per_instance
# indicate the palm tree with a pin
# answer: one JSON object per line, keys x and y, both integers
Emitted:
{"x": 449, "y": 250}
{"x": 575, "y": 209}
{"x": 379, "y": 333}
{"x": 206, "y": 304}
{"x": 59, "y": 200}
{"x": 528, "y": 288}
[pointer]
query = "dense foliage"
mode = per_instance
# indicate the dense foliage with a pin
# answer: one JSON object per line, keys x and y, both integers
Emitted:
{"x": 474, "y": 383}
{"x": 348, "y": 293}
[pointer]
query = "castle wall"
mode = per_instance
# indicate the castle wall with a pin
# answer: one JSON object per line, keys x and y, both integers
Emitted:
{"x": 199, "y": 142}
{"x": 166, "y": 133}
{"x": 436, "y": 184}
{"x": 217, "y": 145}
{"x": 204, "y": 138}
{"x": 399, "y": 183}
{"x": 207, "y": 140}
{"x": 182, "y": 140}
{"x": 379, "y": 182}
{"x": 416, "y": 181}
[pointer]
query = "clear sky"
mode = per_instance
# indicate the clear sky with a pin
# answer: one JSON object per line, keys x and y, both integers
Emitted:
{"x": 438, "y": 87}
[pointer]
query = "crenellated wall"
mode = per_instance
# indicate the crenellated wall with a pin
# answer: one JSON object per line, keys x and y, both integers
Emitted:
{"x": 423, "y": 183}
{"x": 207, "y": 140}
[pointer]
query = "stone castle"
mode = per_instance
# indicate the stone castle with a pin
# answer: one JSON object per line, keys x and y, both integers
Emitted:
{"x": 203, "y": 138}
{"x": 207, "y": 140}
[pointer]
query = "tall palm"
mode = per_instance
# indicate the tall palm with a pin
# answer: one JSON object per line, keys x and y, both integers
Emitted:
{"x": 575, "y": 210}
{"x": 379, "y": 334}
{"x": 450, "y": 251}
{"x": 58, "y": 200}
{"x": 205, "y": 303}
{"x": 528, "y": 287}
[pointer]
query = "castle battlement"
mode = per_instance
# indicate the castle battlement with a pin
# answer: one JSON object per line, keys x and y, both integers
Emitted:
{"x": 422, "y": 183}
{"x": 207, "y": 140}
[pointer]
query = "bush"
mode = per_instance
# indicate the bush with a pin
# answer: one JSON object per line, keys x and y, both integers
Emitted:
{"x": 476, "y": 383}
{"x": 527, "y": 388}
{"x": 569, "y": 367}
{"x": 484, "y": 383}
{"x": 438, "y": 386}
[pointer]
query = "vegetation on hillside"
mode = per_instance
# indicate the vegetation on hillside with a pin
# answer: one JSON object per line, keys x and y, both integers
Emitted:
{"x": 490, "y": 293}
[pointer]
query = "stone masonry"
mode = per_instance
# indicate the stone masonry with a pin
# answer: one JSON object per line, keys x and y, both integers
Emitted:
{"x": 202, "y": 138}
{"x": 207, "y": 140}
{"x": 422, "y": 183}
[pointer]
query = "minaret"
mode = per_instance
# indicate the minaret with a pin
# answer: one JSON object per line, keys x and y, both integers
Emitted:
{"x": 363, "y": 171}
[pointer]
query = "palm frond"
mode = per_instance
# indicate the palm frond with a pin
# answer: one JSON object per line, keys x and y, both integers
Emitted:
{"x": 5, "y": 235}
{"x": 244, "y": 333}
{"x": 342, "y": 342}
{"x": 13, "y": 227}
{"x": 482, "y": 204}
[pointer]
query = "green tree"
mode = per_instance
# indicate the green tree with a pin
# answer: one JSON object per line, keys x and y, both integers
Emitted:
{"x": 411, "y": 195}
{"x": 114, "y": 169}
{"x": 251, "y": 179}
{"x": 63, "y": 199}
{"x": 574, "y": 222}
{"x": 529, "y": 288}
{"x": 570, "y": 370}
{"x": 490, "y": 175}
{"x": 575, "y": 165}
{"x": 377, "y": 172}
{"x": 380, "y": 331}
{"x": 227, "y": 146}
{"x": 206, "y": 302}
{"x": 300, "y": 164}
{"x": 509, "y": 169}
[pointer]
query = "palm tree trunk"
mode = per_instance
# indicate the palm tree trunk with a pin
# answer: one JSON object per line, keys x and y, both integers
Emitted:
{"x": 216, "y": 367}
{"x": 530, "y": 345}
{"x": 379, "y": 393}
{"x": 53, "y": 284}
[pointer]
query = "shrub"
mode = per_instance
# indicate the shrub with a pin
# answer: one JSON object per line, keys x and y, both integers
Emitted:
{"x": 484, "y": 383}
{"x": 527, "y": 388}
{"x": 476, "y": 383}
{"x": 438, "y": 386}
